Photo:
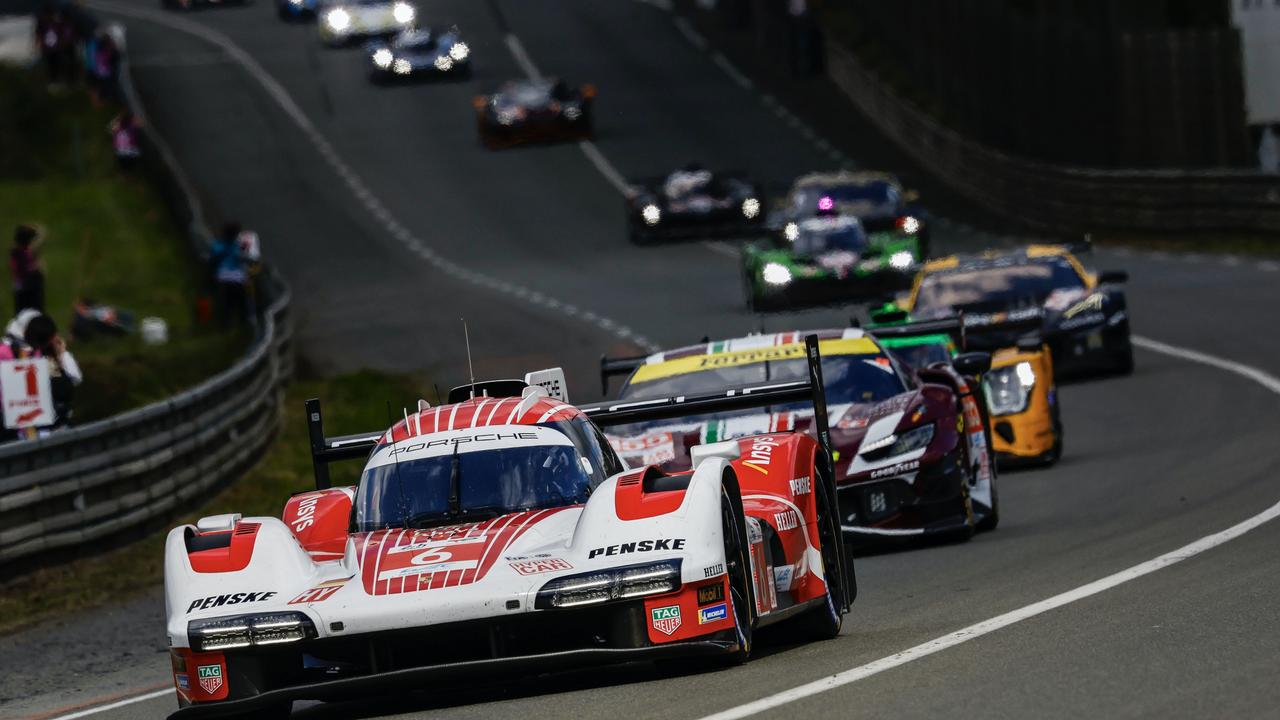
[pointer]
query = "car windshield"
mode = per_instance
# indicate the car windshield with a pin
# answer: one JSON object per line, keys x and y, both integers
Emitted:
{"x": 820, "y": 235}
{"x": 876, "y": 196}
{"x": 416, "y": 40}
{"x": 685, "y": 182}
{"x": 489, "y": 471}
{"x": 924, "y": 354}
{"x": 848, "y": 379}
{"x": 530, "y": 93}
{"x": 997, "y": 287}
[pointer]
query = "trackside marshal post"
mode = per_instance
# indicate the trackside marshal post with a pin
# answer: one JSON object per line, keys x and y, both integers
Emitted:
{"x": 24, "y": 388}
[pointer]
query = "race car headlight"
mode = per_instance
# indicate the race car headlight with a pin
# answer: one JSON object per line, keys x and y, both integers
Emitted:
{"x": 459, "y": 51}
{"x": 239, "y": 631}
{"x": 909, "y": 225}
{"x": 402, "y": 66}
{"x": 403, "y": 12}
{"x": 612, "y": 584}
{"x": 775, "y": 274}
{"x": 338, "y": 19}
{"x": 750, "y": 208}
{"x": 382, "y": 58}
{"x": 893, "y": 445}
{"x": 651, "y": 214}
{"x": 444, "y": 63}
{"x": 1009, "y": 388}
{"x": 791, "y": 232}
{"x": 901, "y": 260}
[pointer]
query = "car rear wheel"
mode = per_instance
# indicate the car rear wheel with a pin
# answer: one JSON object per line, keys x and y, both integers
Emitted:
{"x": 824, "y": 622}
{"x": 738, "y": 567}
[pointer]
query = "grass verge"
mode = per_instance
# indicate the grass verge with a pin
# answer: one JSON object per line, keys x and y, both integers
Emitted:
{"x": 110, "y": 239}
{"x": 352, "y": 403}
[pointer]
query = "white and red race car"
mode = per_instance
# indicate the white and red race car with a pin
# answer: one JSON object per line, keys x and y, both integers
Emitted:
{"x": 501, "y": 532}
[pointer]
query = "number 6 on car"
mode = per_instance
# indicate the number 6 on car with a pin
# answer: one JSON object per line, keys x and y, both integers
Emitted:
{"x": 501, "y": 530}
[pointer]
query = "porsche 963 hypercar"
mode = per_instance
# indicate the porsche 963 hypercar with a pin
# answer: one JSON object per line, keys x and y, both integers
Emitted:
{"x": 420, "y": 53}
{"x": 344, "y": 21}
{"x": 501, "y": 533}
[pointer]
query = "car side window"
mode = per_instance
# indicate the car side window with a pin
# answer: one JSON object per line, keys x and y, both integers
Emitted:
{"x": 612, "y": 465}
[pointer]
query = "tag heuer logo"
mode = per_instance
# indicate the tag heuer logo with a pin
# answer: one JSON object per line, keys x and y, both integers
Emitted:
{"x": 210, "y": 677}
{"x": 666, "y": 620}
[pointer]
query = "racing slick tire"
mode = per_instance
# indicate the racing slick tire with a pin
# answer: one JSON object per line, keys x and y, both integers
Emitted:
{"x": 276, "y": 711}
{"x": 1124, "y": 361}
{"x": 1054, "y": 453}
{"x": 824, "y": 622}
{"x": 737, "y": 566}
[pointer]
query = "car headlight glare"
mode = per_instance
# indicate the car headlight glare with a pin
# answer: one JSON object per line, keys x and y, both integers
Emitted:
{"x": 403, "y": 12}
{"x": 444, "y": 63}
{"x": 909, "y": 225}
{"x": 775, "y": 274}
{"x": 338, "y": 19}
{"x": 612, "y": 584}
{"x": 791, "y": 232}
{"x": 750, "y": 208}
{"x": 459, "y": 51}
{"x": 240, "y": 631}
{"x": 651, "y": 214}
{"x": 382, "y": 57}
{"x": 1009, "y": 388}
{"x": 901, "y": 260}
{"x": 898, "y": 444}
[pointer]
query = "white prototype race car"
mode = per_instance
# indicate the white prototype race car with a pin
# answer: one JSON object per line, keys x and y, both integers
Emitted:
{"x": 343, "y": 21}
{"x": 500, "y": 532}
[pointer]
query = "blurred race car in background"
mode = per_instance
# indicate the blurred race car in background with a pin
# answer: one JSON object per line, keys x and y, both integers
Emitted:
{"x": 345, "y": 21}
{"x": 297, "y": 9}
{"x": 188, "y": 4}
{"x": 694, "y": 202}
{"x": 419, "y": 52}
{"x": 1022, "y": 398}
{"x": 823, "y": 259}
{"x": 1083, "y": 317}
{"x": 911, "y": 449}
{"x": 877, "y": 199}
{"x": 499, "y": 531}
{"x": 531, "y": 111}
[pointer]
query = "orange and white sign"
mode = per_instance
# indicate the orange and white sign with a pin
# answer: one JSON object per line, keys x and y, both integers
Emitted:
{"x": 24, "y": 388}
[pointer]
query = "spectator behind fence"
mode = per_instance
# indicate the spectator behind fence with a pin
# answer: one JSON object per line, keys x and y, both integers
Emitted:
{"x": 26, "y": 269}
{"x": 125, "y": 136}
{"x": 56, "y": 37}
{"x": 102, "y": 60}
{"x": 229, "y": 273}
{"x": 41, "y": 335}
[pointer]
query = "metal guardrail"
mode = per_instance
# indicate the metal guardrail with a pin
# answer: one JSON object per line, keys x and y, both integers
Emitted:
{"x": 127, "y": 473}
{"x": 1057, "y": 197}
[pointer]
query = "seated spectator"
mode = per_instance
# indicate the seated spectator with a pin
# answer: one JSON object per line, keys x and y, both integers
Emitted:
{"x": 125, "y": 136}
{"x": 26, "y": 269}
{"x": 41, "y": 335}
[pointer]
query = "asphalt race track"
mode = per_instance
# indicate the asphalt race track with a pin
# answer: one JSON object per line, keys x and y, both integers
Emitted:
{"x": 405, "y": 224}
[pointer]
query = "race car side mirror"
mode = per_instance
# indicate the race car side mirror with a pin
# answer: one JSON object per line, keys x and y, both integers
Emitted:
{"x": 972, "y": 363}
{"x": 1113, "y": 277}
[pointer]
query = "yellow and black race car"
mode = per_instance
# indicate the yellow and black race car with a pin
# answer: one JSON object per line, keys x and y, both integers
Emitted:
{"x": 1082, "y": 316}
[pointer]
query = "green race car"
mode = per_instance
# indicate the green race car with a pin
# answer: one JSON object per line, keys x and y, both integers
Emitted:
{"x": 827, "y": 259}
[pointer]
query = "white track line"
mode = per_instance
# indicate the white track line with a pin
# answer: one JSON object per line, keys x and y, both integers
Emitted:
{"x": 117, "y": 704}
{"x": 733, "y": 72}
{"x": 357, "y": 187}
{"x": 694, "y": 37}
{"x": 522, "y": 57}
{"x": 977, "y": 630}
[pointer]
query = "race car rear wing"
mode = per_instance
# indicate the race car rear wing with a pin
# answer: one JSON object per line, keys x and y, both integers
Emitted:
{"x": 953, "y": 326}
{"x": 325, "y": 450}
{"x": 610, "y": 367}
{"x": 808, "y": 391}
